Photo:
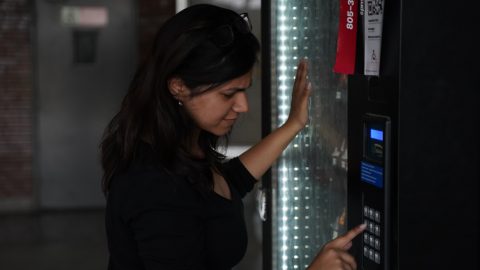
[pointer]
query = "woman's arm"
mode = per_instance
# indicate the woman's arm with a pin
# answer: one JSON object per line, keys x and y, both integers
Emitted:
{"x": 261, "y": 156}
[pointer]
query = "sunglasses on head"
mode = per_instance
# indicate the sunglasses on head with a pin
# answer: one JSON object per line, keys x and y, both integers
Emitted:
{"x": 224, "y": 35}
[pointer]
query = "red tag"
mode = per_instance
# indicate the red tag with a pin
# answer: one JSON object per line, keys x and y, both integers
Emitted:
{"x": 347, "y": 37}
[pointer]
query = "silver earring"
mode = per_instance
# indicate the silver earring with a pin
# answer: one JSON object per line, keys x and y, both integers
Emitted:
{"x": 180, "y": 103}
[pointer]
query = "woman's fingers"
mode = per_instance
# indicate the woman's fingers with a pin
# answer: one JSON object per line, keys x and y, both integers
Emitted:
{"x": 348, "y": 260}
{"x": 344, "y": 241}
{"x": 334, "y": 254}
{"x": 301, "y": 76}
{"x": 333, "y": 259}
{"x": 301, "y": 92}
{"x": 347, "y": 246}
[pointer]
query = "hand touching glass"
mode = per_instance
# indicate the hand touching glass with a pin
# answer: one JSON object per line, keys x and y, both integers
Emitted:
{"x": 302, "y": 89}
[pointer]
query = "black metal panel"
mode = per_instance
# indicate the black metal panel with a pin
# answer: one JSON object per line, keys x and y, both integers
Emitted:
{"x": 438, "y": 136}
{"x": 266, "y": 129}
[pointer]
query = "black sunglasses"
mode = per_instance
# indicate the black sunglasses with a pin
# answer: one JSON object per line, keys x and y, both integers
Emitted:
{"x": 224, "y": 35}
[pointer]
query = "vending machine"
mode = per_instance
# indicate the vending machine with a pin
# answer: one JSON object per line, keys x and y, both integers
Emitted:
{"x": 392, "y": 144}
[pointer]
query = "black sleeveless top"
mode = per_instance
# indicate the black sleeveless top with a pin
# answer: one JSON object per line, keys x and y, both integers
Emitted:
{"x": 158, "y": 221}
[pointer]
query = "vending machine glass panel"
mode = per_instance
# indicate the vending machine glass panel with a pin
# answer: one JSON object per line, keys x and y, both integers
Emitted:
{"x": 309, "y": 180}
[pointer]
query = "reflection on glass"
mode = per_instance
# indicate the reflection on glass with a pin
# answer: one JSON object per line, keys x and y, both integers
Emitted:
{"x": 309, "y": 180}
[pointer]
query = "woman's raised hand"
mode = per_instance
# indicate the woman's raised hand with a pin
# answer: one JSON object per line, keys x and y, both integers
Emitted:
{"x": 301, "y": 91}
{"x": 261, "y": 156}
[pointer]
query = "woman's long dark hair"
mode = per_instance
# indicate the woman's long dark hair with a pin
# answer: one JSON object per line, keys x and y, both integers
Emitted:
{"x": 204, "y": 46}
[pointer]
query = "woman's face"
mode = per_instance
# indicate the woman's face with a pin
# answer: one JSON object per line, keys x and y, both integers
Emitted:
{"x": 217, "y": 109}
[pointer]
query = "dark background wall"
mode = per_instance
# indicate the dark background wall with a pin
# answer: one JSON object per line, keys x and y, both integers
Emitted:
{"x": 82, "y": 74}
{"x": 53, "y": 110}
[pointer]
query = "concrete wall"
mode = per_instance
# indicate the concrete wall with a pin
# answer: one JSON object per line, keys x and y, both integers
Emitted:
{"x": 74, "y": 101}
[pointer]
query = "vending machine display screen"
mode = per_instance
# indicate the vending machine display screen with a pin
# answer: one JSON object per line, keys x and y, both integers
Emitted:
{"x": 374, "y": 144}
{"x": 376, "y": 134}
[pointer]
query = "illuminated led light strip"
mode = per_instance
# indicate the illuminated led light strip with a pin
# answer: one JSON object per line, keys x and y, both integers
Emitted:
{"x": 284, "y": 107}
{"x": 288, "y": 179}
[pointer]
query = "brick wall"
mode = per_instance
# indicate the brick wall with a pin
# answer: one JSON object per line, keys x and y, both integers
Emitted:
{"x": 16, "y": 94}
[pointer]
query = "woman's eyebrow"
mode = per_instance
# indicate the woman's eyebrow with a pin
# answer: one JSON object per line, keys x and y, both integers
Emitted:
{"x": 241, "y": 88}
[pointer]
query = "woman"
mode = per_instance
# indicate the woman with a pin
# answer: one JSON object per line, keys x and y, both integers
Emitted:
{"x": 173, "y": 201}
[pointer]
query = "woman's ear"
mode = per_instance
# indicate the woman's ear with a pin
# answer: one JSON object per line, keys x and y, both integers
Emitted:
{"x": 177, "y": 88}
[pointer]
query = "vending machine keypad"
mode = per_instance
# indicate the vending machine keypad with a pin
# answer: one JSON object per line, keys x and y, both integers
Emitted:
{"x": 375, "y": 192}
{"x": 371, "y": 235}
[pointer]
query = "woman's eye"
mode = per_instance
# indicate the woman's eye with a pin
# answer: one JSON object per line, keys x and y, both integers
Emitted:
{"x": 229, "y": 94}
{"x": 232, "y": 92}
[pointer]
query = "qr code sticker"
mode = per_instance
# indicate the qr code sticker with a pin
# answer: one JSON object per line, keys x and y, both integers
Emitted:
{"x": 374, "y": 7}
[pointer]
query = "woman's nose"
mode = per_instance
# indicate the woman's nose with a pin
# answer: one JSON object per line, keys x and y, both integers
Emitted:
{"x": 241, "y": 102}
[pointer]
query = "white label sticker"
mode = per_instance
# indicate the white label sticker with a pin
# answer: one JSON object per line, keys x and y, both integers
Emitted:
{"x": 373, "y": 22}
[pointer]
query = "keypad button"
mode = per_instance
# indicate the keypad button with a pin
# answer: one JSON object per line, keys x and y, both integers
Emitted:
{"x": 365, "y": 251}
{"x": 365, "y": 211}
{"x": 377, "y": 257}
{"x": 366, "y": 238}
{"x": 377, "y": 230}
{"x": 371, "y": 227}
{"x": 377, "y": 216}
{"x": 377, "y": 244}
{"x": 371, "y": 241}
{"x": 371, "y": 254}
{"x": 370, "y": 213}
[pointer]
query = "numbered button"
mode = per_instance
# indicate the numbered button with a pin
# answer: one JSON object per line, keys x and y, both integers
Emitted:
{"x": 370, "y": 213}
{"x": 365, "y": 211}
{"x": 377, "y": 216}
{"x": 371, "y": 241}
{"x": 377, "y": 230}
{"x": 371, "y": 255}
{"x": 377, "y": 257}
{"x": 371, "y": 227}
{"x": 377, "y": 244}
